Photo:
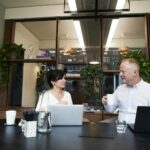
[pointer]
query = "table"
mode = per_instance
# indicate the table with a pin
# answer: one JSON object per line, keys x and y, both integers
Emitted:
{"x": 68, "y": 138}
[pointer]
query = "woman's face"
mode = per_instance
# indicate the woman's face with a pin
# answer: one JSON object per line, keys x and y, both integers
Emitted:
{"x": 61, "y": 83}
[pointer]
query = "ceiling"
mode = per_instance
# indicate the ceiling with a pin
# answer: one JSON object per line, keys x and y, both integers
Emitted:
{"x": 127, "y": 29}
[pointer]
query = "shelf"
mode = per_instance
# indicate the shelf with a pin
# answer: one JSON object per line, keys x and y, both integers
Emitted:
{"x": 110, "y": 71}
{"x": 30, "y": 61}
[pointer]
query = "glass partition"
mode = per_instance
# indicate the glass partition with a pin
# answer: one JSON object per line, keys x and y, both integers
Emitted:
{"x": 76, "y": 50}
{"x": 80, "y": 43}
{"x": 39, "y": 40}
{"x": 119, "y": 36}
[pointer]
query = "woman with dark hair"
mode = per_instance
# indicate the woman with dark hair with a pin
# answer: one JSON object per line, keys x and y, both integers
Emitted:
{"x": 56, "y": 94}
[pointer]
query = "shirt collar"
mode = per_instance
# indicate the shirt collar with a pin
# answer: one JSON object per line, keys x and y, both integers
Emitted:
{"x": 136, "y": 85}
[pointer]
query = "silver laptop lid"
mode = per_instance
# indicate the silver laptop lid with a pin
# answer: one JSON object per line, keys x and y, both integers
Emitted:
{"x": 66, "y": 115}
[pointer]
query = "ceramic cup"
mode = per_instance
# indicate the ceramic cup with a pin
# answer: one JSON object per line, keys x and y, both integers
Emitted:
{"x": 110, "y": 99}
{"x": 10, "y": 117}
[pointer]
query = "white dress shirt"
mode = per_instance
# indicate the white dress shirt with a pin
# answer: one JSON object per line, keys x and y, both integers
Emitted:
{"x": 127, "y": 99}
{"x": 48, "y": 98}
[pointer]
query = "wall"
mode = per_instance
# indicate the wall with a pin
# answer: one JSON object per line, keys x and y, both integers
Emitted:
{"x": 23, "y": 36}
{"x": 35, "y": 12}
{"x": 2, "y": 16}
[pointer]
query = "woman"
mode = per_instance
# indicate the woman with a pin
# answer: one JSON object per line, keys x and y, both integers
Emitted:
{"x": 56, "y": 95}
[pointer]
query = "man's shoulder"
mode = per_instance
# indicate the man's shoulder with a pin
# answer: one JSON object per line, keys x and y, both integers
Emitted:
{"x": 144, "y": 83}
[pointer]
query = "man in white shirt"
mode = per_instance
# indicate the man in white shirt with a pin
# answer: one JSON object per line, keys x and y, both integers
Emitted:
{"x": 132, "y": 93}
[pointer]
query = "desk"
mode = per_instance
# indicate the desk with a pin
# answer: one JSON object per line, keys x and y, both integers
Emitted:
{"x": 67, "y": 138}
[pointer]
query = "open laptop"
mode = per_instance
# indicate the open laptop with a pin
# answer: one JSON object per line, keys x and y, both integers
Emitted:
{"x": 142, "y": 120}
{"x": 66, "y": 115}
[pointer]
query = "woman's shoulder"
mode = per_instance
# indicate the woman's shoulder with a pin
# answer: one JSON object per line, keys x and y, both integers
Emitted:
{"x": 44, "y": 93}
{"x": 66, "y": 93}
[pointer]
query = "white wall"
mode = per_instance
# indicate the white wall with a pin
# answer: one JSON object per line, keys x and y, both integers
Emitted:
{"x": 2, "y": 21}
{"x": 35, "y": 12}
{"x": 23, "y": 36}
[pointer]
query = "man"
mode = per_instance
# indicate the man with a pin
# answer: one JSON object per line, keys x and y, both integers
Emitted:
{"x": 132, "y": 93}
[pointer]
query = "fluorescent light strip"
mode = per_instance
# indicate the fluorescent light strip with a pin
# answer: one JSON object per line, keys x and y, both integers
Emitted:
{"x": 111, "y": 32}
{"x": 73, "y": 7}
{"x": 94, "y": 62}
{"x": 120, "y": 5}
{"x": 79, "y": 33}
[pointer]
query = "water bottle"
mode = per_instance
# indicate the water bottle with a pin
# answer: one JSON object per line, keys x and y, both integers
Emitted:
{"x": 44, "y": 122}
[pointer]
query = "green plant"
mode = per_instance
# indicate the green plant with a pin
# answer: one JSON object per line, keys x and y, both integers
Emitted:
{"x": 7, "y": 52}
{"x": 91, "y": 76}
{"x": 143, "y": 62}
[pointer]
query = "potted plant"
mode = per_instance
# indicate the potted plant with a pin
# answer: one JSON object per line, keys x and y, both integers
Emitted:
{"x": 91, "y": 76}
{"x": 143, "y": 62}
{"x": 7, "y": 52}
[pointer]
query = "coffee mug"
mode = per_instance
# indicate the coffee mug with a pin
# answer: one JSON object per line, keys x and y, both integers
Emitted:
{"x": 10, "y": 117}
{"x": 110, "y": 99}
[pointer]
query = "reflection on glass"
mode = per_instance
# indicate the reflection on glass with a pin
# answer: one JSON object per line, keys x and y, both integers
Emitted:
{"x": 70, "y": 48}
{"x": 128, "y": 35}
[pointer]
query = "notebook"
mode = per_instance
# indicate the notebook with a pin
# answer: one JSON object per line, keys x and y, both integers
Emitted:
{"x": 142, "y": 120}
{"x": 66, "y": 115}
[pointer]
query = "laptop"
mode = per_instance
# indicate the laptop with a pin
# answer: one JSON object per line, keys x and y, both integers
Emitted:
{"x": 142, "y": 120}
{"x": 66, "y": 115}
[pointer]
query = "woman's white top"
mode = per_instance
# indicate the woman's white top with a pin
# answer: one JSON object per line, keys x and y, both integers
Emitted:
{"x": 48, "y": 98}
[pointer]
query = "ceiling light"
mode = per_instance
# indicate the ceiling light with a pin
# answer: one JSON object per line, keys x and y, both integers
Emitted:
{"x": 111, "y": 32}
{"x": 94, "y": 62}
{"x": 72, "y": 5}
{"x": 79, "y": 34}
{"x": 119, "y": 5}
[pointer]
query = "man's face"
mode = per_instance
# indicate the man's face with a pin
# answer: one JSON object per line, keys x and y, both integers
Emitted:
{"x": 127, "y": 73}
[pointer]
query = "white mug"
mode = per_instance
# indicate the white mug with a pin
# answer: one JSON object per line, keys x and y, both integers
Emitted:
{"x": 110, "y": 99}
{"x": 10, "y": 117}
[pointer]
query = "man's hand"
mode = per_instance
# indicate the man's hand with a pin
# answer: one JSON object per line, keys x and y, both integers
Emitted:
{"x": 104, "y": 100}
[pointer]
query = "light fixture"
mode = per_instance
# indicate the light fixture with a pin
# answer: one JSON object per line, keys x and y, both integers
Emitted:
{"x": 94, "y": 62}
{"x": 111, "y": 32}
{"x": 94, "y": 58}
{"x": 79, "y": 34}
{"x": 73, "y": 7}
{"x": 94, "y": 7}
{"x": 120, "y": 4}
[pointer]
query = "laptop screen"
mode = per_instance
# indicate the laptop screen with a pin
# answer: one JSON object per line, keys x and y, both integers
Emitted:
{"x": 142, "y": 120}
{"x": 66, "y": 115}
